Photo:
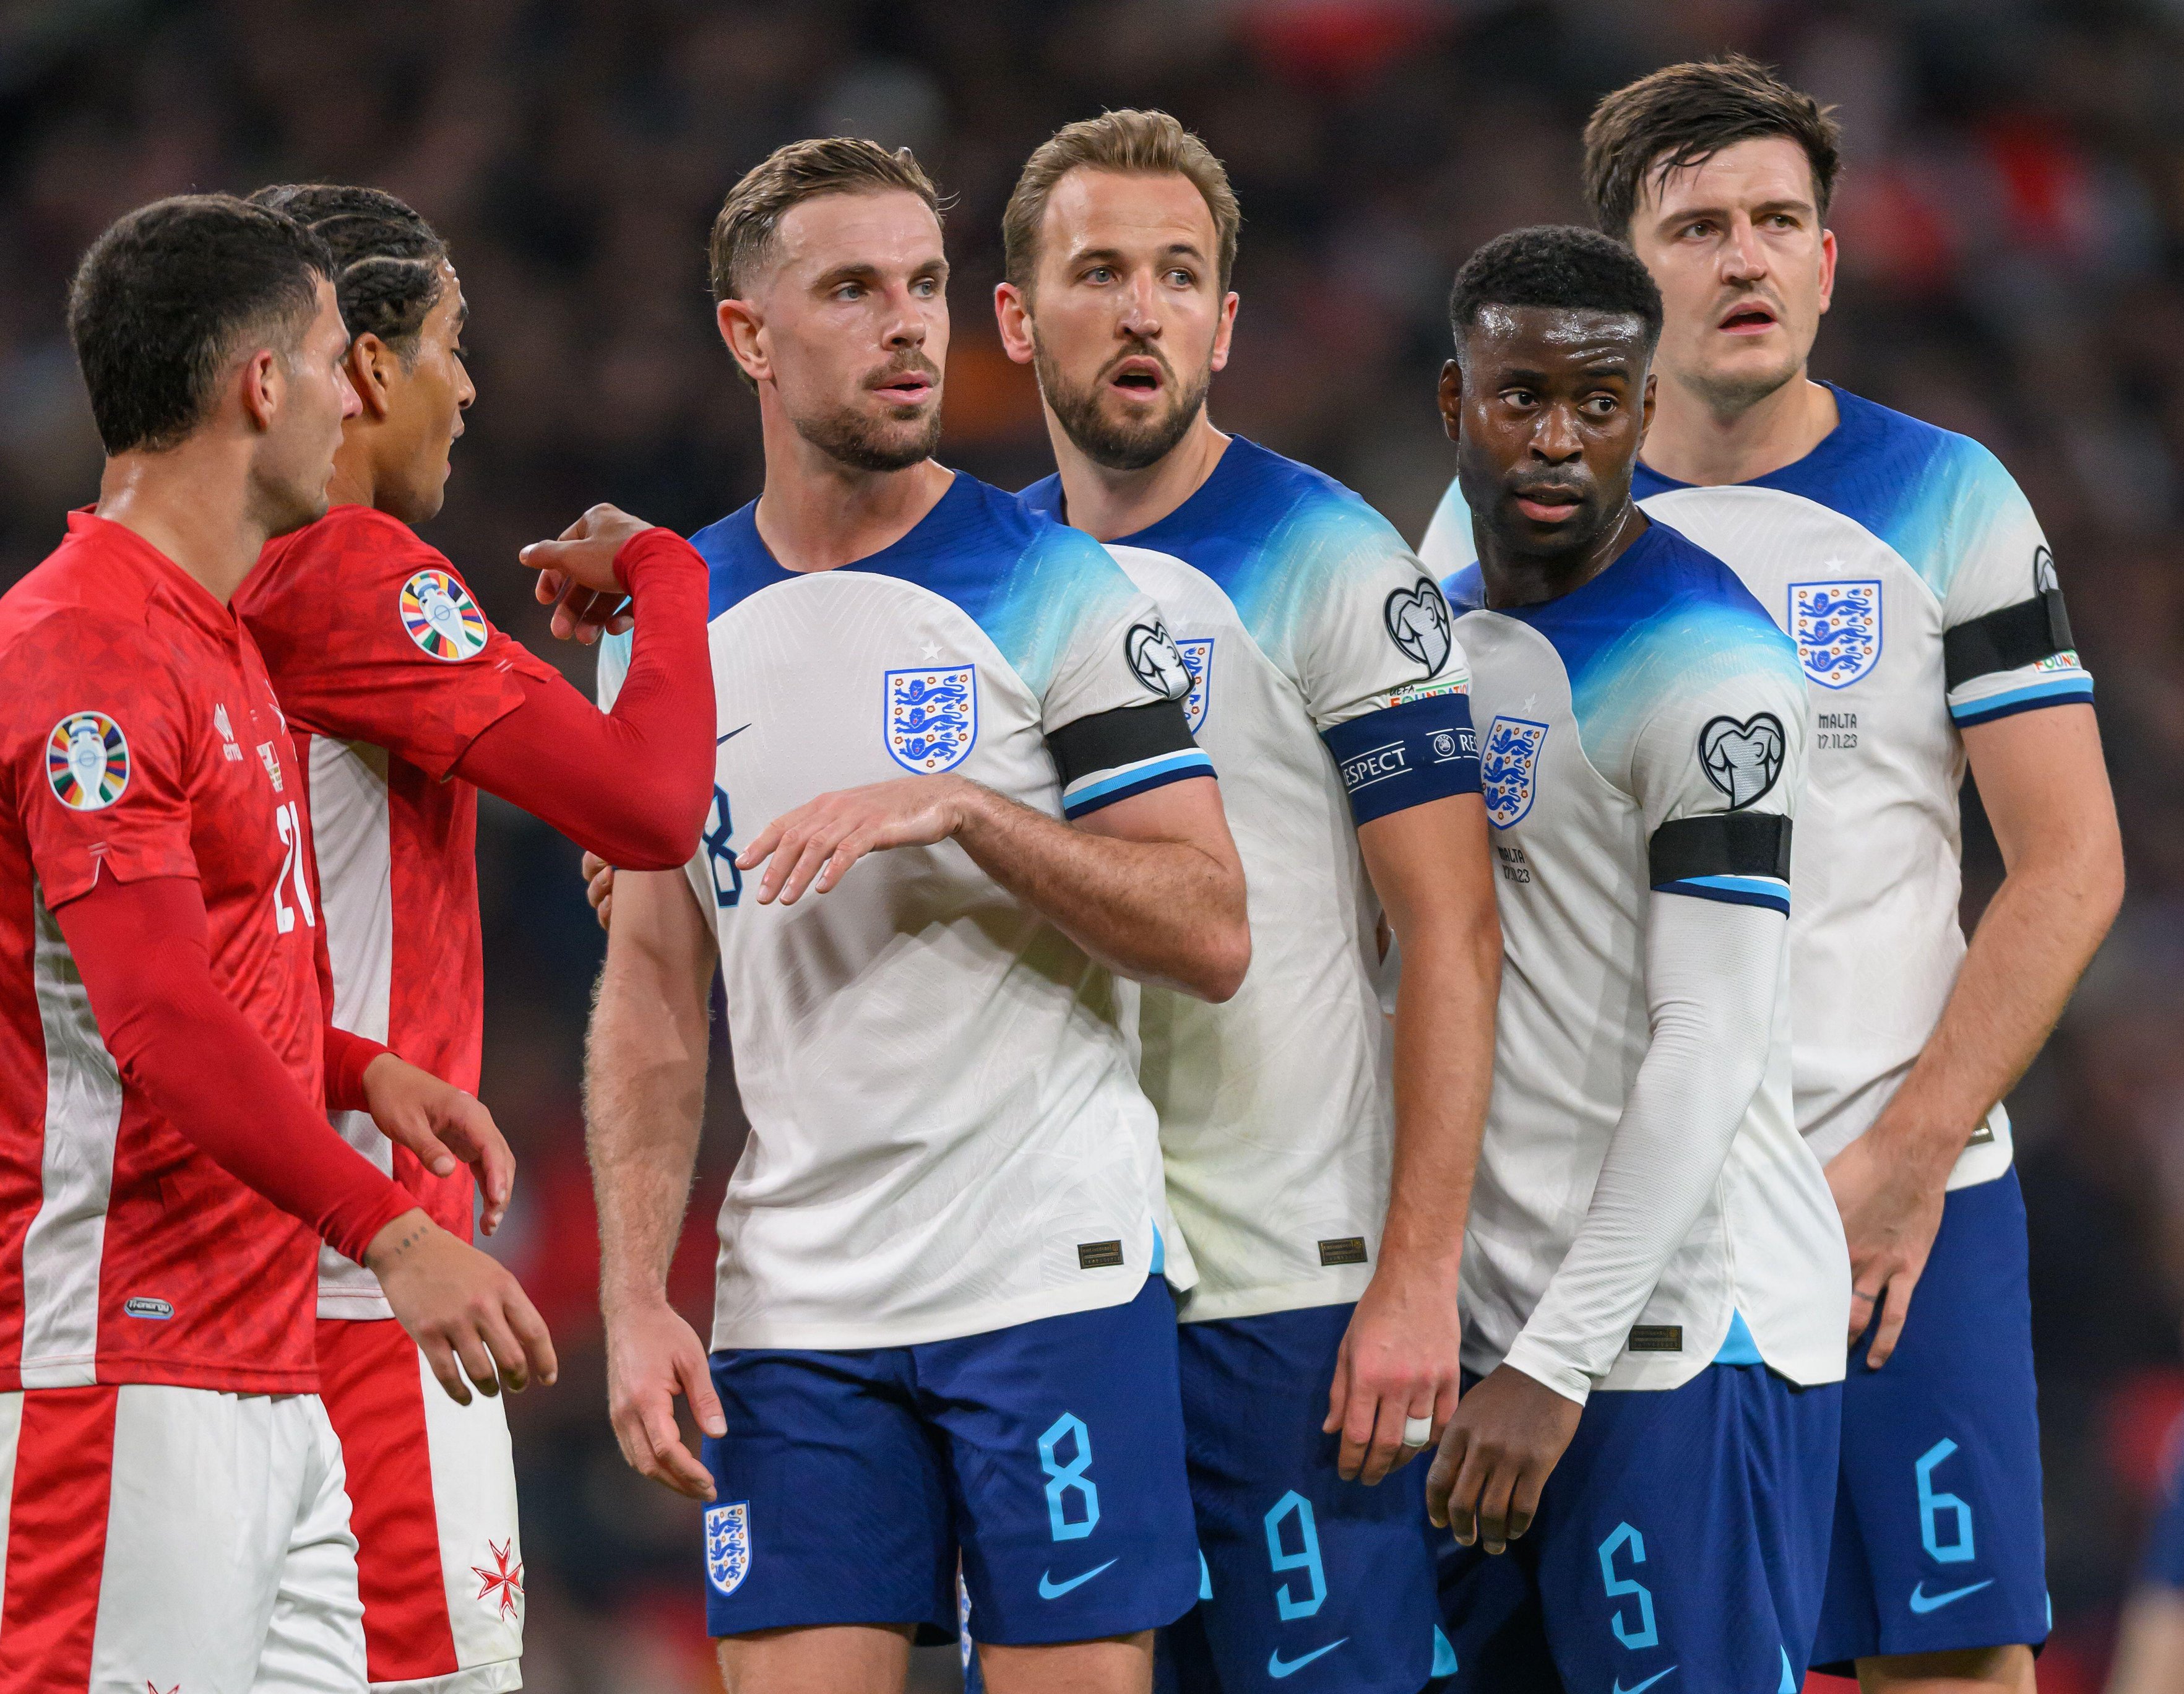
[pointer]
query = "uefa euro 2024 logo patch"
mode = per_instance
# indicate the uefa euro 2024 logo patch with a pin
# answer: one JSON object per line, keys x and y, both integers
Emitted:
{"x": 1506, "y": 764}
{"x": 728, "y": 1546}
{"x": 1837, "y": 629}
{"x": 87, "y": 760}
{"x": 932, "y": 716}
{"x": 1198, "y": 660}
{"x": 441, "y": 616}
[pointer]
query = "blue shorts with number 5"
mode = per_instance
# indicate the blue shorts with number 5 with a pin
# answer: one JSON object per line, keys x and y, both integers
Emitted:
{"x": 1313, "y": 1585}
{"x": 1048, "y": 1456}
{"x": 1685, "y": 1530}
{"x": 1938, "y": 1542}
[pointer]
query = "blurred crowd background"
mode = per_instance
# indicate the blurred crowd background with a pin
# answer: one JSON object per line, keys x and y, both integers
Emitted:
{"x": 2011, "y": 227}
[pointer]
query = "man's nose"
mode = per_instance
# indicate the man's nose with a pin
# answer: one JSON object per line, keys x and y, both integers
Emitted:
{"x": 1743, "y": 260}
{"x": 1555, "y": 437}
{"x": 1140, "y": 310}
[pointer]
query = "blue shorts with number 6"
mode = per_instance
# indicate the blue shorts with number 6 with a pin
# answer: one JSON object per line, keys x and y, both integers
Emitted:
{"x": 1048, "y": 1456}
{"x": 1312, "y": 1583}
{"x": 1685, "y": 1531}
{"x": 1938, "y": 1542}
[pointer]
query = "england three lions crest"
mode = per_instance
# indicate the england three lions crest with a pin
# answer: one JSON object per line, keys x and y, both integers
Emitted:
{"x": 728, "y": 1546}
{"x": 1198, "y": 660}
{"x": 1837, "y": 628}
{"x": 932, "y": 716}
{"x": 1506, "y": 765}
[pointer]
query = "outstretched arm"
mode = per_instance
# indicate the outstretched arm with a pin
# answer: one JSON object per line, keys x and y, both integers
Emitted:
{"x": 644, "y": 1100}
{"x": 1150, "y": 886}
{"x": 2045, "y": 786}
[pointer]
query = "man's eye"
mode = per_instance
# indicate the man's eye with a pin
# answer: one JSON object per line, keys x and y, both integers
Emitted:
{"x": 1601, "y": 405}
{"x": 1099, "y": 273}
{"x": 1182, "y": 278}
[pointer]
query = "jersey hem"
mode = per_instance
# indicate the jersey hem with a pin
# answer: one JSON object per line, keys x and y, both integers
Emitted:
{"x": 980, "y": 1320}
{"x": 352, "y": 1305}
{"x": 1343, "y": 1289}
{"x": 497, "y": 1677}
{"x": 123, "y": 1371}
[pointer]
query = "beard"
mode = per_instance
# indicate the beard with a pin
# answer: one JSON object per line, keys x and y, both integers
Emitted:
{"x": 1108, "y": 443}
{"x": 895, "y": 441}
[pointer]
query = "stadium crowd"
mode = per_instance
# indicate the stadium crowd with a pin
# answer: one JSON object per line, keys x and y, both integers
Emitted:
{"x": 2012, "y": 221}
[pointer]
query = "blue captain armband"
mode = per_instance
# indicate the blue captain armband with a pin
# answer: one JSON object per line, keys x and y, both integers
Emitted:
{"x": 1405, "y": 755}
{"x": 1740, "y": 858}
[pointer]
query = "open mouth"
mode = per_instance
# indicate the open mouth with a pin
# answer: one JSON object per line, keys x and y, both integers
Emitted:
{"x": 1750, "y": 320}
{"x": 1140, "y": 377}
{"x": 904, "y": 387}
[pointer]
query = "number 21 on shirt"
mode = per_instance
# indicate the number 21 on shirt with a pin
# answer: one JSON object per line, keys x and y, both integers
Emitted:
{"x": 290, "y": 824}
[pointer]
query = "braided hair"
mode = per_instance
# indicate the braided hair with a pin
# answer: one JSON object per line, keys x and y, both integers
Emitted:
{"x": 387, "y": 259}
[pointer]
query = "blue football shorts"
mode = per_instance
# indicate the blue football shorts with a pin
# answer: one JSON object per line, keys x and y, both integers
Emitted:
{"x": 1686, "y": 1530}
{"x": 1047, "y": 1459}
{"x": 1939, "y": 1543}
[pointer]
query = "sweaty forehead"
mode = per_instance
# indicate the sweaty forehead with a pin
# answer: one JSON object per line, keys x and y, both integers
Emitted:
{"x": 1551, "y": 337}
{"x": 1758, "y": 171}
{"x": 887, "y": 229}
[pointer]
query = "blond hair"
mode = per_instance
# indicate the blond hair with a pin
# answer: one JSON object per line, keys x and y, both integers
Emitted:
{"x": 743, "y": 234}
{"x": 1130, "y": 143}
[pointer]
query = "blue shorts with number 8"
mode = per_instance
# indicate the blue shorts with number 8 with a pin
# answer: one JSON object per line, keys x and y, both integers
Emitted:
{"x": 1047, "y": 1456}
{"x": 1685, "y": 1530}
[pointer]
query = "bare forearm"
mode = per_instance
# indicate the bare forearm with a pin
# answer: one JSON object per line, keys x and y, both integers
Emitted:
{"x": 2033, "y": 941}
{"x": 1160, "y": 911}
{"x": 1444, "y": 1027}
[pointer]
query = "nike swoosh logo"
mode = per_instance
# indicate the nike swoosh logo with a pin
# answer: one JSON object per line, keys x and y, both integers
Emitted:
{"x": 730, "y": 736}
{"x": 1277, "y": 1666}
{"x": 1923, "y": 1603}
{"x": 1643, "y": 1686}
{"x": 1048, "y": 1589}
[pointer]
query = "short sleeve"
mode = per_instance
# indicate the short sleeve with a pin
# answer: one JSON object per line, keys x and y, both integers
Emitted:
{"x": 1111, "y": 708}
{"x": 99, "y": 752}
{"x": 1372, "y": 643}
{"x": 1719, "y": 768}
{"x": 2006, "y": 638}
{"x": 370, "y": 635}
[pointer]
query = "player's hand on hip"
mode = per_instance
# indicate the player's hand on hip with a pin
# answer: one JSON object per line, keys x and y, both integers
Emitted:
{"x": 1890, "y": 1214}
{"x": 1508, "y": 1434}
{"x": 654, "y": 1355}
{"x": 599, "y": 889}
{"x": 466, "y": 1312}
{"x": 813, "y": 845}
{"x": 1397, "y": 1374}
{"x": 441, "y": 1126}
{"x": 577, "y": 576}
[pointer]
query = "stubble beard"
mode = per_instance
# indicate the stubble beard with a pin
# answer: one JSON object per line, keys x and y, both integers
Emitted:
{"x": 1112, "y": 445}
{"x": 868, "y": 443}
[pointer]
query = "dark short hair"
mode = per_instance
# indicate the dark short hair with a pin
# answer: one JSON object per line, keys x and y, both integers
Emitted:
{"x": 163, "y": 296}
{"x": 1557, "y": 265}
{"x": 1682, "y": 115}
{"x": 1130, "y": 144}
{"x": 386, "y": 257}
{"x": 750, "y": 217}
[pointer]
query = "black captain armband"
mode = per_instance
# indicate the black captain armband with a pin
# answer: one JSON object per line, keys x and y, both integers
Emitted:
{"x": 1110, "y": 756}
{"x": 1740, "y": 858}
{"x": 1404, "y": 756}
{"x": 2008, "y": 639}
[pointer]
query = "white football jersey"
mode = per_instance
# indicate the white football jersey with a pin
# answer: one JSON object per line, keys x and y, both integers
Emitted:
{"x": 1321, "y": 658}
{"x": 1911, "y": 572}
{"x": 946, "y": 1134}
{"x": 1644, "y": 733}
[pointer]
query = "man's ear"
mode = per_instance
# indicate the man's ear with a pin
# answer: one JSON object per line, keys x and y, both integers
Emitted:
{"x": 1224, "y": 335}
{"x": 1451, "y": 400}
{"x": 1013, "y": 312}
{"x": 1646, "y": 417}
{"x": 264, "y": 380}
{"x": 372, "y": 367}
{"x": 739, "y": 326}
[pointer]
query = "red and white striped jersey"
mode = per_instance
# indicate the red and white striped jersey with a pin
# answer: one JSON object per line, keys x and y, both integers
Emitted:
{"x": 139, "y": 738}
{"x": 388, "y": 671}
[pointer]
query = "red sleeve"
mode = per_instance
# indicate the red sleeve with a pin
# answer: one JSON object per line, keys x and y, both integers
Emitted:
{"x": 370, "y": 635}
{"x": 141, "y": 951}
{"x": 631, "y": 785}
{"x": 100, "y": 748}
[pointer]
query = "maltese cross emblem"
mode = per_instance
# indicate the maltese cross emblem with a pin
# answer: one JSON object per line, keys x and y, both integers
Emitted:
{"x": 503, "y": 1586}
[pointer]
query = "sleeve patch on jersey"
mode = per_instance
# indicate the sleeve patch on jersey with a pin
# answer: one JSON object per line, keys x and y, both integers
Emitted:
{"x": 1404, "y": 755}
{"x": 1743, "y": 760}
{"x": 1418, "y": 621}
{"x": 87, "y": 761}
{"x": 1155, "y": 660}
{"x": 2008, "y": 639}
{"x": 1110, "y": 756}
{"x": 442, "y": 618}
{"x": 1740, "y": 858}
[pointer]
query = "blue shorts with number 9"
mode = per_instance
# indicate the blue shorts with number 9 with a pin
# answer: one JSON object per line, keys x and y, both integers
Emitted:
{"x": 1048, "y": 1456}
{"x": 1685, "y": 1529}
